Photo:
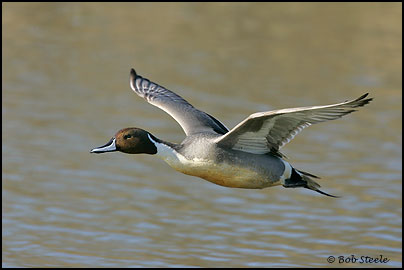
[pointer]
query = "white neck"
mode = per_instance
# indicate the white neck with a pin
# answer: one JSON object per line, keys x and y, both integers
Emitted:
{"x": 167, "y": 153}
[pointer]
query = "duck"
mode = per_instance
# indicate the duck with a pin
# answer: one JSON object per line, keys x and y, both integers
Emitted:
{"x": 247, "y": 156}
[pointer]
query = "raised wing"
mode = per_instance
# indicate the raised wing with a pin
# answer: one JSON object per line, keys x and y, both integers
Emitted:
{"x": 266, "y": 132}
{"x": 191, "y": 119}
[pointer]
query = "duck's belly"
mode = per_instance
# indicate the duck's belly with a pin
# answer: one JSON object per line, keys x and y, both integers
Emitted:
{"x": 224, "y": 174}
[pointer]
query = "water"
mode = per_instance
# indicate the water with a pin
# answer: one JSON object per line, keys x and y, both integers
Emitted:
{"x": 65, "y": 91}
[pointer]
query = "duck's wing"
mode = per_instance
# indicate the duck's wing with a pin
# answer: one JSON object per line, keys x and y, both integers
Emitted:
{"x": 266, "y": 132}
{"x": 191, "y": 119}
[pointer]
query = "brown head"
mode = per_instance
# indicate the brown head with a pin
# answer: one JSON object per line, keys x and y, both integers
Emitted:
{"x": 130, "y": 141}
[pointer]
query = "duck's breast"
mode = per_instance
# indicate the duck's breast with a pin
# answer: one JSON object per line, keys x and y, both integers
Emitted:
{"x": 228, "y": 168}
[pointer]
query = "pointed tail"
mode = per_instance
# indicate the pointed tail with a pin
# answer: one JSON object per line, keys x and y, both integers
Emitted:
{"x": 302, "y": 179}
{"x": 313, "y": 185}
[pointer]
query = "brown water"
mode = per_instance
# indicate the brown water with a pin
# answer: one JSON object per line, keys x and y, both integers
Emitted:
{"x": 65, "y": 91}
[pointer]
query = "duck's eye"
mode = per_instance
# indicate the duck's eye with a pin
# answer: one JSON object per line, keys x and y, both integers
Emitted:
{"x": 127, "y": 136}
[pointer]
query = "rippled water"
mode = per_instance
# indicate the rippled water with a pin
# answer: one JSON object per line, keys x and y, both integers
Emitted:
{"x": 65, "y": 91}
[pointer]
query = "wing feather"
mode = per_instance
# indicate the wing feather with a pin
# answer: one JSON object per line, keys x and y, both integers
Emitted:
{"x": 191, "y": 119}
{"x": 265, "y": 132}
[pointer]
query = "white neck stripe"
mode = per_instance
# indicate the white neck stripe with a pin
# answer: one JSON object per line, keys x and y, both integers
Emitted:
{"x": 166, "y": 152}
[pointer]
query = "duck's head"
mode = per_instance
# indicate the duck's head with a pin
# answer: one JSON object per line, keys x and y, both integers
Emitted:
{"x": 130, "y": 141}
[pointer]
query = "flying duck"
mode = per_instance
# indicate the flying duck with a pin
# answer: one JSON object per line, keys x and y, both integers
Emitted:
{"x": 247, "y": 156}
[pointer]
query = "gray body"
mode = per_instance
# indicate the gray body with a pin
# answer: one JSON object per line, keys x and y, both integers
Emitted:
{"x": 247, "y": 156}
{"x": 226, "y": 167}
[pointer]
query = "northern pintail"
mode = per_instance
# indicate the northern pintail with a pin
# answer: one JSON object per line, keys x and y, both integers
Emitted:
{"x": 246, "y": 156}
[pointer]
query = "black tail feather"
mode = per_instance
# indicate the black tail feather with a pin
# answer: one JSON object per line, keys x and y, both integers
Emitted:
{"x": 308, "y": 174}
{"x": 302, "y": 179}
{"x": 326, "y": 194}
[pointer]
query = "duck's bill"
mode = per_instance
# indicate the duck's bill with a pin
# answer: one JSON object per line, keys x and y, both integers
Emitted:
{"x": 109, "y": 147}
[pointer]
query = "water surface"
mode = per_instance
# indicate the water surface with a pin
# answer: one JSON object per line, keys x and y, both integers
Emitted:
{"x": 65, "y": 91}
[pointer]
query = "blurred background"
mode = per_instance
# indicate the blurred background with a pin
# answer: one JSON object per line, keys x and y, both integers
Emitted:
{"x": 65, "y": 90}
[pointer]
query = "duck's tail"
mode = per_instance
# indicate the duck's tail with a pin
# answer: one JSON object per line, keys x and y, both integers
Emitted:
{"x": 302, "y": 179}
